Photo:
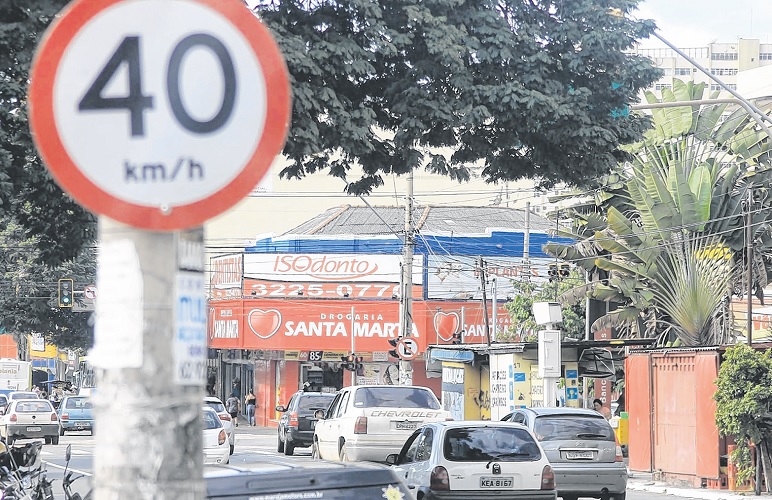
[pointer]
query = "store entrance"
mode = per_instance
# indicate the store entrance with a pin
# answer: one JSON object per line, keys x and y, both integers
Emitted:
{"x": 321, "y": 377}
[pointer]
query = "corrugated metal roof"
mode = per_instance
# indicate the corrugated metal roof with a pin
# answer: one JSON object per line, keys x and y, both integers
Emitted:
{"x": 435, "y": 220}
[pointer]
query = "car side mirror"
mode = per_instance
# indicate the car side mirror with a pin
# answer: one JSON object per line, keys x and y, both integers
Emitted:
{"x": 281, "y": 408}
{"x": 319, "y": 414}
{"x": 391, "y": 458}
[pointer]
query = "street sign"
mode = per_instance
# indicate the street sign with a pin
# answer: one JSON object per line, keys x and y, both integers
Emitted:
{"x": 407, "y": 348}
{"x": 90, "y": 292}
{"x": 158, "y": 113}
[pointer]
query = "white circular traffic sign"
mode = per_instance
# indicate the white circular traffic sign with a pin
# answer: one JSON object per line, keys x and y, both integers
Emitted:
{"x": 159, "y": 113}
{"x": 407, "y": 348}
{"x": 90, "y": 292}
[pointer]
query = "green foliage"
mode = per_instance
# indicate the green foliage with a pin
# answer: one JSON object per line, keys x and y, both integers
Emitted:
{"x": 46, "y": 235}
{"x": 525, "y": 89}
{"x": 685, "y": 186}
{"x": 29, "y": 291}
{"x": 523, "y": 325}
{"x": 743, "y": 400}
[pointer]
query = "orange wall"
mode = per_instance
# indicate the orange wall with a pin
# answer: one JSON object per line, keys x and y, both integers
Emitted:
{"x": 8, "y": 347}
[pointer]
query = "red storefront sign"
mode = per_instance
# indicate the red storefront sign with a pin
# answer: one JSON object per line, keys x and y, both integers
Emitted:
{"x": 285, "y": 324}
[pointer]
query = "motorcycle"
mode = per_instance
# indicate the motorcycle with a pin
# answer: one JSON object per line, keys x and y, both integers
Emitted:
{"x": 22, "y": 474}
{"x": 69, "y": 479}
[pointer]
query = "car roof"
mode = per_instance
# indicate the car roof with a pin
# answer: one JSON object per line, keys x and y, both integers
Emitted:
{"x": 455, "y": 424}
{"x": 564, "y": 411}
{"x": 310, "y": 393}
{"x": 278, "y": 477}
{"x": 212, "y": 399}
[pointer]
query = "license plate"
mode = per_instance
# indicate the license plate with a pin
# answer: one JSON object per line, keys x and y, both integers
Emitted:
{"x": 496, "y": 482}
{"x": 405, "y": 426}
{"x": 33, "y": 429}
{"x": 579, "y": 455}
{"x": 80, "y": 426}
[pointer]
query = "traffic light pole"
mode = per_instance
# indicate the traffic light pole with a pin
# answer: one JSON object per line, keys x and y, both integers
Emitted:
{"x": 150, "y": 349}
{"x": 406, "y": 297}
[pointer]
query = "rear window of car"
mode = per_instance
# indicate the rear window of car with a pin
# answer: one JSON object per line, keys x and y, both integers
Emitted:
{"x": 481, "y": 444}
{"x": 211, "y": 420}
{"x": 78, "y": 404}
{"x": 567, "y": 427}
{"x": 315, "y": 402}
{"x": 33, "y": 407}
{"x": 395, "y": 397}
{"x": 216, "y": 406}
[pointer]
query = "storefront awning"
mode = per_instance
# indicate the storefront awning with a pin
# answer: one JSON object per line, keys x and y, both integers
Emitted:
{"x": 451, "y": 355}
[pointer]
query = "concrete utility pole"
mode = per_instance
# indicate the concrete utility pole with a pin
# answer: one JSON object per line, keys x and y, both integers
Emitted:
{"x": 406, "y": 300}
{"x": 148, "y": 441}
{"x": 483, "y": 285}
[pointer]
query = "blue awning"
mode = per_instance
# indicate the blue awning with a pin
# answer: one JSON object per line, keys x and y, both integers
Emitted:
{"x": 451, "y": 355}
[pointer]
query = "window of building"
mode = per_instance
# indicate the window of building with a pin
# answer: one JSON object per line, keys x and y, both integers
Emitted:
{"x": 683, "y": 71}
{"x": 715, "y": 86}
{"x": 662, "y": 86}
{"x": 724, "y": 56}
{"x": 724, "y": 71}
{"x": 765, "y": 56}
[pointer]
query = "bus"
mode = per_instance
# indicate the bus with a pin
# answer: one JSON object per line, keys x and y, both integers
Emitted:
{"x": 85, "y": 377}
{"x": 15, "y": 375}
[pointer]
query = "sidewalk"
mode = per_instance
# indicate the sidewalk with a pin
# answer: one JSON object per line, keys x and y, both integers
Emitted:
{"x": 637, "y": 481}
{"x": 642, "y": 481}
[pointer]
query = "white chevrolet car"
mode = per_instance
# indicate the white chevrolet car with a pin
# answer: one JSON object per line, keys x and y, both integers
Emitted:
{"x": 227, "y": 423}
{"x": 369, "y": 422}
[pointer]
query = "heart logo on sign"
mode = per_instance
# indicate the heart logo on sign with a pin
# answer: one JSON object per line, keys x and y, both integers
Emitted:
{"x": 446, "y": 324}
{"x": 264, "y": 323}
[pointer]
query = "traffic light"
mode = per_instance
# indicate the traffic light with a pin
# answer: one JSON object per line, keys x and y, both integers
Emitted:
{"x": 348, "y": 362}
{"x": 359, "y": 366}
{"x": 65, "y": 292}
{"x": 393, "y": 343}
{"x": 552, "y": 272}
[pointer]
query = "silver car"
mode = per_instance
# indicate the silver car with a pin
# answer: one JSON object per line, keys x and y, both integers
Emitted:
{"x": 582, "y": 449}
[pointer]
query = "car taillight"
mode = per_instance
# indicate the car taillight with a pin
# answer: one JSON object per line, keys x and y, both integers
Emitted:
{"x": 293, "y": 419}
{"x": 619, "y": 457}
{"x": 226, "y": 418}
{"x": 360, "y": 427}
{"x": 439, "y": 479}
{"x": 65, "y": 416}
{"x": 221, "y": 437}
{"x": 13, "y": 417}
{"x": 53, "y": 418}
{"x": 547, "y": 478}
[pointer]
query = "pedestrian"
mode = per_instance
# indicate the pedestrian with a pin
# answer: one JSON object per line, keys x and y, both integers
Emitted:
{"x": 233, "y": 404}
{"x": 250, "y": 401}
{"x": 598, "y": 405}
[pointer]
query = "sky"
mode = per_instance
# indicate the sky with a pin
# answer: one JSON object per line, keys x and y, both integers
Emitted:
{"x": 696, "y": 23}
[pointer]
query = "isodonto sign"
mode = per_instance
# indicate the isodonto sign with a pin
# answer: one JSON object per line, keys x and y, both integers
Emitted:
{"x": 158, "y": 113}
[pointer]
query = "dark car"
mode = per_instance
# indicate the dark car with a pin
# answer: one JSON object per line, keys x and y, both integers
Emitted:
{"x": 297, "y": 422}
{"x": 318, "y": 480}
{"x": 582, "y": 449}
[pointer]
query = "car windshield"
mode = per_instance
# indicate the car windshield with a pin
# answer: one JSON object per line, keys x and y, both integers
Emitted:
{"x": 216, "y": 406}
{"x": 315, "y": 402}
{"x": 33, "y": 407}
{"x": 211, "y": 420}
{"x": 482, "y": 444}
{"x": 78, "y": 404}
{"x": 566, "y": 427}
{"x": 395, "y": 397}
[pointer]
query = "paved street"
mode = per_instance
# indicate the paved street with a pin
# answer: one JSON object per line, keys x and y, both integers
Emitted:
{"x": 251, "y": 447}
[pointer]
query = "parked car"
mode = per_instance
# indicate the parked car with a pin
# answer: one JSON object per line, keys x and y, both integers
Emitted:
{"x": 474, "y": 459}
{"x": 217, "y": 405}
{"x": 76, "y": 414}
{"x": 581, "y": 446}
{"x": 3, "y": 401}
{"x": 368, "y": 422}
{"x": 215, "y": 442}
{"x": 320, "y": 480}
{"x": 26, "y": 418}
{"x": 297, "y": 422}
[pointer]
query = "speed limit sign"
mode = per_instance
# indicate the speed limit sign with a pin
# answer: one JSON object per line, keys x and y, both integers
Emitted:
{"x": 158, "y": 113}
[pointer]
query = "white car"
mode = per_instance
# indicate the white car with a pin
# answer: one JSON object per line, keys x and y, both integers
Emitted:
{"x": 216, "y": 447}
{"x": 368, "y": 422}
{"x": 466, "y": 459}
{"x": 30, "y": 419}
{"x": 215, "y": 404}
